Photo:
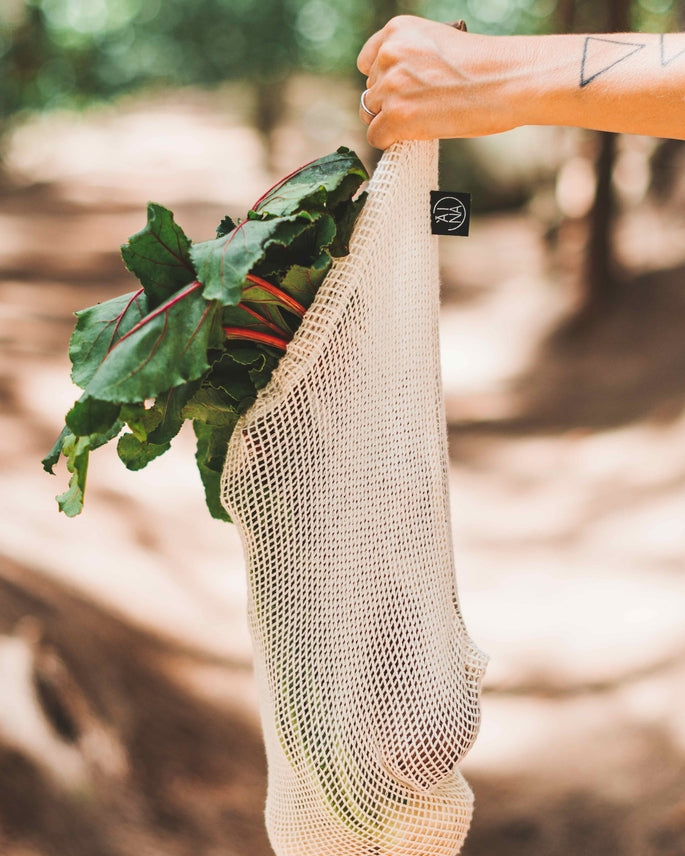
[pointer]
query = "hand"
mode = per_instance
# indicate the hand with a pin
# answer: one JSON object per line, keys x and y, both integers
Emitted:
{"x": 428, "y": 80}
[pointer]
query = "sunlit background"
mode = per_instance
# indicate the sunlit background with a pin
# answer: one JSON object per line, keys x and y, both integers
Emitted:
{"x": 127, "y": 710}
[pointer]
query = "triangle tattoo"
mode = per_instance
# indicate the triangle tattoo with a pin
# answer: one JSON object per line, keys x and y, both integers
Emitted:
{"x": 598, "y": 59}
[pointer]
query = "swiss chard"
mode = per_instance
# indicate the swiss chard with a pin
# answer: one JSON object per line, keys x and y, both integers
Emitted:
{"x": 206, "y": 328}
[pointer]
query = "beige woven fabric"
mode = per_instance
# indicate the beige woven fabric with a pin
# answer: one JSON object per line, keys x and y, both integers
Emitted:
{"x": 337, "y": 479}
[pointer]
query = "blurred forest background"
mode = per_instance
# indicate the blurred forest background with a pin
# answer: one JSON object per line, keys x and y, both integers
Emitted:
{"x": 127, "y": 712}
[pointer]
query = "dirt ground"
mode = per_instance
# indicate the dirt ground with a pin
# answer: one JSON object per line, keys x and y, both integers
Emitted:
{"x": 128, "y": 721}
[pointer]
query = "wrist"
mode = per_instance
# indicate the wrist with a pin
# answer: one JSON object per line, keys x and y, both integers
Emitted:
{"x": 504, "y": 82}
{"x": 536, "y": 78}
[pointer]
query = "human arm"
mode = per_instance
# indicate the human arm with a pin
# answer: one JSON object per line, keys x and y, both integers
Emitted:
{"x": 427, "y": 80}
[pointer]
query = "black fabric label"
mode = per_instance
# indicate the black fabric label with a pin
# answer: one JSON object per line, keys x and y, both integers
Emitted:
{"x": 450, "y": 212}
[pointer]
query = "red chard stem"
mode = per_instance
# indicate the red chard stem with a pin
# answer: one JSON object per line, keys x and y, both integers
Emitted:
{"x": 262, "y": 320}
{"x": 284, "y": 299}
{"x": 256, "y": 336}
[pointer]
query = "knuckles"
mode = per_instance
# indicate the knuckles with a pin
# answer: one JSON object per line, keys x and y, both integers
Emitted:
{"x": 399, "y": 22}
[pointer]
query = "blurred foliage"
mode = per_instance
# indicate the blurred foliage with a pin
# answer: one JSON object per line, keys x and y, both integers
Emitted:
{"x": 65, "y": 53}
{"x": 59, "y": 52}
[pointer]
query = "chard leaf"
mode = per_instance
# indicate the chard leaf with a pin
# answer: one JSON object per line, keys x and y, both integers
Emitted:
{"x": 213, "y": 407}
{"x": 227, "y": 225}
{"x": 261, "y": 375}
{"x": 167, "y": 348}
{"x": 232, "y": 379}
{"x": 261, "y": 293}
{"x": 310, "y": 187}
{"x": 53, "y": 455}
{"x": 99, "y": 328}
{"x": 270, "y": 308}
{"x": 77, "y": 451}
{"x": 304, "y": 248}
{"x": 248, "y": 318}
{"x": 159, "y": 255}
{"x": 303, "y": 282}
{"x": 136, "y": 453}
{"x": 169, "y": 406}
{"x": 345, "y": 216}
{"x": 91, "y": 416}
{"x": 223, "y": 264}
{"x": 344, "y": 192}
{"x": 136, "y": 449}
{"x": 140, "y": 419}
{"x": 245, "y": 355}
{"x": 277, "y": 318}
{"x": 212, "y": 443}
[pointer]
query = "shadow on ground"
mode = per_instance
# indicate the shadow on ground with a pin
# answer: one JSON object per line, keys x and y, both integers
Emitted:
{"x": 625, "y": 365}
{"x": 575, "y": 823}
{"x": 104, "y": 752}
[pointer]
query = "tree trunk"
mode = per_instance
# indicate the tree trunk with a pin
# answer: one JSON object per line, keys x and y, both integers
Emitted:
{"x": 566, "y": 11}
{"x": 384, "y": 10}
{"x": 269, "y": 109}
{"x": 602, "y": 277}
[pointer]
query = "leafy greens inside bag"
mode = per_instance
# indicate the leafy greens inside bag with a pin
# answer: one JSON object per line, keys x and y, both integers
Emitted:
{"x": 207, "y": 326}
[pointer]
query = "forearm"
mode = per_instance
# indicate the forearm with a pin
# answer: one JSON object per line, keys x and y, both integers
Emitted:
{"x": 632, "y": 83}
{"x": 428, "y": 80}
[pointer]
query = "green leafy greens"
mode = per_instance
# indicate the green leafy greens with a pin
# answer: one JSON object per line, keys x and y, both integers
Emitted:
{"x": 207, "y": 326}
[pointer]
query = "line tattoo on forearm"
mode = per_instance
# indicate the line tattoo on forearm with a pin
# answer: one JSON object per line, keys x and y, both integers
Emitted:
{"x": 669, "y": 52}
{"x": 601, "y": 54}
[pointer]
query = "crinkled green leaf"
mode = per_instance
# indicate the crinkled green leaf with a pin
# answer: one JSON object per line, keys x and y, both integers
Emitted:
{"x": 99, "y": 328}
{"x": 53, "y": 456}
{"x": 77, "y": 451}
{"x": 314, "y": 184}
{"x": 137, "y": 449}
{"x": 305, "y": 248}
{"x": 245, "y": 355}
{"x": 159, "y": 255}
{"x": 213, "y": 406}
{"x": 136, "y": 453}
{"x": 302, "y": 282}
{"x": 241, "y": 316}
{"x": 346, "y": 216}
{"x": 167, "y": 348}
{"x": 91, "y": 416}
{"x": 140, "y": 419}
{"x": 212, "y": 443}
{"x": 345, "y": 190}
{"x": 231, "y": 378}
{"x": 223, "y": 264}
{"x": 260, "y": 375}
{"x": 169, "y": 407}
{"x": 227, "y": 225}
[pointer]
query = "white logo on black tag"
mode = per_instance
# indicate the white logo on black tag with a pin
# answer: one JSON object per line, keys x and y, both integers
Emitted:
{"x": 450, "y": 212}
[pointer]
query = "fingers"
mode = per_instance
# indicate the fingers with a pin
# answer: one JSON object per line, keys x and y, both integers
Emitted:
{"x": 367, "y": 110}
{"x": 389, "y": 59}
{"x": 380, "y": 134}
{"x": 366, "y": 63}
{"x": 369, "y": 52}
{"x": 372, "y": 117}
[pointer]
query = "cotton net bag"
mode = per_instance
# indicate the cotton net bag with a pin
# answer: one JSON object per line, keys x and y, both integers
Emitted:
{"x": 337, "y": 478}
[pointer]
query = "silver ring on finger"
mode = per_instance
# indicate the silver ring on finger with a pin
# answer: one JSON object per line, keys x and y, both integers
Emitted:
{"x": 362, "y": 102}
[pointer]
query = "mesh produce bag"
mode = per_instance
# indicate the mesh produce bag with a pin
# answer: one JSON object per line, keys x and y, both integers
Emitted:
{"x": 337, "y": 478}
